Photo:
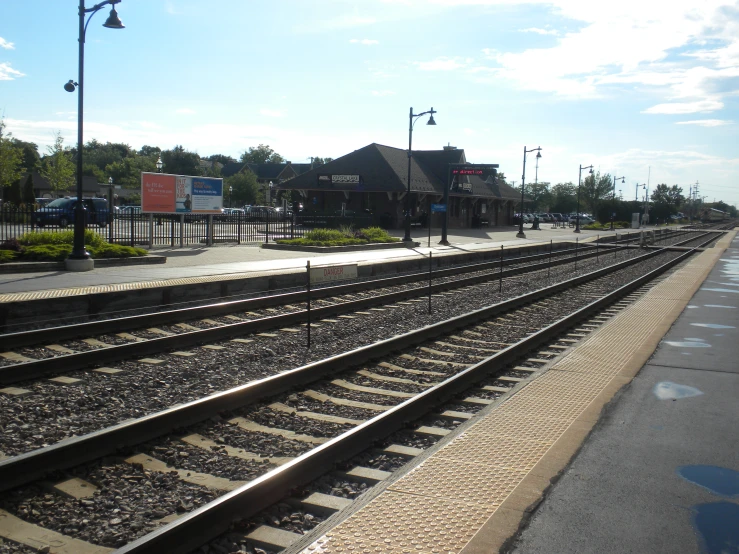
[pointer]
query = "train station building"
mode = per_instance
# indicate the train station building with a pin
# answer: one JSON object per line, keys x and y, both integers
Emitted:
{"x": 374, "y": 179}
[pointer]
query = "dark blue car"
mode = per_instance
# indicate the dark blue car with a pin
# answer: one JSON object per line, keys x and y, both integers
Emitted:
{"x": 61, "y": 212}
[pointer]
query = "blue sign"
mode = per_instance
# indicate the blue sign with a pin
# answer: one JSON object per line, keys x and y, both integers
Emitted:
{"x": 438, "y": 208}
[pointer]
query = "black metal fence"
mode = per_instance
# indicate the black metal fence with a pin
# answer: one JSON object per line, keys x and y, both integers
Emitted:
{"x": 137, "y": 229}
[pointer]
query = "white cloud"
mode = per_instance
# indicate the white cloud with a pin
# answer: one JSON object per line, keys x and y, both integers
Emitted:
{"x": 6, "y": 45}
{"x": 383, "y": 92}
{"x": 706, "y": 122}
{"x": 271, "y": 113}
{"x": 185, "y": 111}
{"x": 443, "y": 64}
{"x": 365, "y": 41}
{"x": 681, "y": 50}
{"x": 700, "y": 106}
{"x": 7, "y": 73}
{"x": 539, "y": 31}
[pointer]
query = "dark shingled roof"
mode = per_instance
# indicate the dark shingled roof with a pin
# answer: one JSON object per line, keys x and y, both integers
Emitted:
{"x": 385, "y": 169}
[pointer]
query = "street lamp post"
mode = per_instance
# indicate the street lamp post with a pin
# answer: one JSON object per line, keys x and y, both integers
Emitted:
{"x": 614, "y": 196}
{"x": 411, "y": 121}
{"x": 79, "y": 259}
{"x": 579, "y": 181}
{"x": 159, "y": 164}
{"x": 520, "y": 233}
{"x": 230, "y": 190}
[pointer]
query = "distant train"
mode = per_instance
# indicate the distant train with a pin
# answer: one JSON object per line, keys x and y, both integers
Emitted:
{"x": 708, "y": 215}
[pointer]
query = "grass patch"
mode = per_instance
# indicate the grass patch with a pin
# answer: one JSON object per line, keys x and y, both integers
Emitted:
{"x": 47, "y": 253}
{"x": 107, "y": 250}
{"x": 59, "y": 237}
{"x": 345, "y": 236}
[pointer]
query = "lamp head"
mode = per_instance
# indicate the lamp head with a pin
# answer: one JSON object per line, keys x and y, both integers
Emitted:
{"x": 110, "y": 180}
{"x": 431, "y": 120}
{"x": 538, "y": 154}
{"x": 623, "y": 179}
{"x": 591, "y": 171}
{"x": 70, "y": 86}
{"x": 113, "y": 22}
{"x": 159, "y": 163}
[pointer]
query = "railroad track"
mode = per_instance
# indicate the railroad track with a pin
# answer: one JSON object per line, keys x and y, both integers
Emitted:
{"x": 38, "y": 413}
{"x": 410, "y": 372}
{"x": 44, "y": 352}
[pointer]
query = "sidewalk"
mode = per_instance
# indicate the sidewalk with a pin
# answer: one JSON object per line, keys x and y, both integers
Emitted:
{"x": 228, "y": 260}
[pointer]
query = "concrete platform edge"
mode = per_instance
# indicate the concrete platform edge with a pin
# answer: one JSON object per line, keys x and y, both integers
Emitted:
{"x": 503, "y": 527}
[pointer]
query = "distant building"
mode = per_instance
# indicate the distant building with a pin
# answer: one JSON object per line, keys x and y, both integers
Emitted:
{"x": 375, "y": 179}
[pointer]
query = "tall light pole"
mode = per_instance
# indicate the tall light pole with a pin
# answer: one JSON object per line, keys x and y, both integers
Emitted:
{"x": 230, "y": 190}
{"x": 614, "y": 196}
{"x": 579, "y": 181}
{"x": 412, "y": 118}
{"x": 79, "y": 259}
{"x": 521, "y": 234}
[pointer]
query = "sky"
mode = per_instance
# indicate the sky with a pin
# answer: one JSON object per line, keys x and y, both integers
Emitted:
{"x": 647, "y": 90}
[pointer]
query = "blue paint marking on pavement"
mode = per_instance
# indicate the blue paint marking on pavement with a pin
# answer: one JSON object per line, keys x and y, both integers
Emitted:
{"x": 667, "y": 390}
{"x": 716, "y": 524}
{"x": 719, "y": 480}
{"x": 688, "y": 343}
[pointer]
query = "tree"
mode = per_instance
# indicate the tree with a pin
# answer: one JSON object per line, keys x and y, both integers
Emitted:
{"x": 665, "y": 201}
{"x": 244, "y": 188}
{"x": 260, "y": 155}
{"x": 31, "y": 160}
{"x": 57, "y": 165}
{"x": 563, "y": 198}
{"x": 317, "y": 160}
{"x": 127, "y": 172}
{"x": 179, "y": 161}
{"x": 147, "y": 150}
{"x": 594, "y": 189}
{"x": 220, "y": 158}
{"x": 10, "y": 159}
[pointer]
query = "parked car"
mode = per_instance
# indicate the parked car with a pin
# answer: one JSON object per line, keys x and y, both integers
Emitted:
{"x": 546, "y": 218}
{"x": 284, "y": 215}
{"x": 584, "y": 219}
{"x": 61, "y": 212}
{"x": 261, "y": 213}
{"x": 558, "y": 217}
{"x": 126, "y": 211}
{"x": 232, "y": 214}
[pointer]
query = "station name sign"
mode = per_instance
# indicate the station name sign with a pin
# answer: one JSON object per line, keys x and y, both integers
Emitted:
{"x": 326, "y": 180}
{"x": 467, "y": 171}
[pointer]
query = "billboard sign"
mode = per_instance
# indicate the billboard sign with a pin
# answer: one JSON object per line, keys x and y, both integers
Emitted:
{"x": 165, "y": 193}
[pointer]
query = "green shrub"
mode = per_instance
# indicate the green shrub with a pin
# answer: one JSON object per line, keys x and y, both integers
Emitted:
{"x": 6, "y": 256}
{"x": 325, "y": 235}
{"x": 107, "y": 250}
{"x": 61, "y": 237}
{"x": 377, "y": 234}
{"x": 308, "y": 242}
{"x": 47, "y": 252}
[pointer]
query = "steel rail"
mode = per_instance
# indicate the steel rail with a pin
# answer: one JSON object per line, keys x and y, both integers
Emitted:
{"x": 207, "y": 522}
{"x": 76, "y": 330}
{"x": 35, "y": 464}
{"x": 24, "y": 371}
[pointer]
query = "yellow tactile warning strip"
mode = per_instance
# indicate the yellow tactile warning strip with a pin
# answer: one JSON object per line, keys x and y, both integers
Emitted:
{"x": 122, "y": 287}
{"x": 472, "y": 494}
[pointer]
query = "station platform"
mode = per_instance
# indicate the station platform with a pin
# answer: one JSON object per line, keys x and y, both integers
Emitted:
{"x": 206, "y": 264}
{"x": 625, "y": 444}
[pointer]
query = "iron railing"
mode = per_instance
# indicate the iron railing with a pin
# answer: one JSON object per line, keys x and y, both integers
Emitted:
{"x": 136, "y": 229}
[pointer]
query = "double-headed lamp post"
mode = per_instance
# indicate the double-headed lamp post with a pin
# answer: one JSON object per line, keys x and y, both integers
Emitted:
{"x": 412, "y": 118}
{"x": 520, "y": 233}
{"x": 79, "y": 259}
{"x": 579, "y": 181}
{"x": 623, "y": 180}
